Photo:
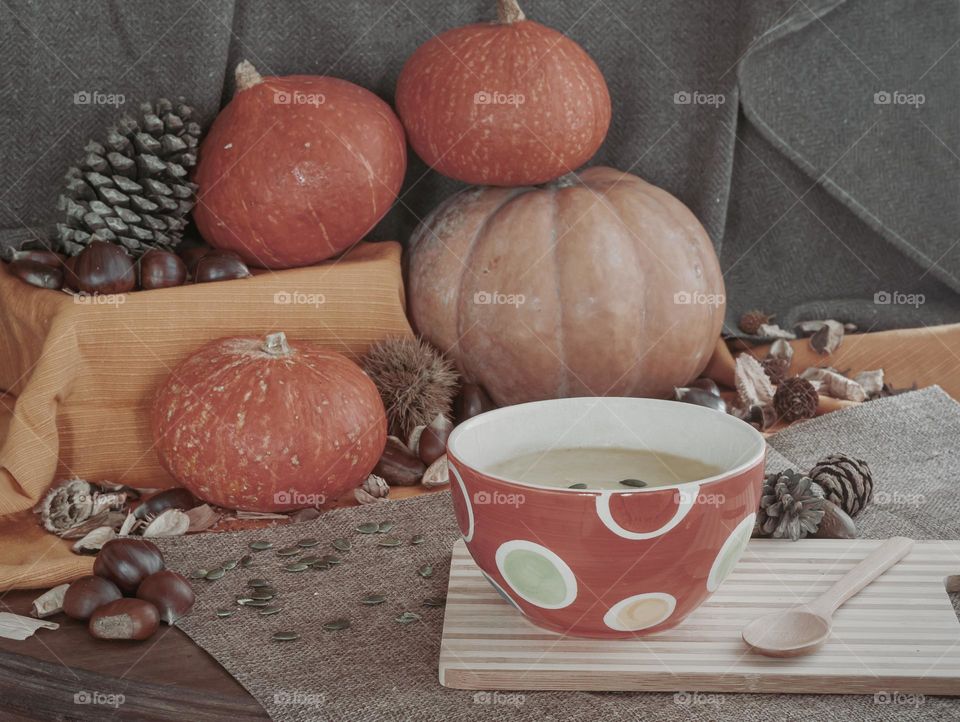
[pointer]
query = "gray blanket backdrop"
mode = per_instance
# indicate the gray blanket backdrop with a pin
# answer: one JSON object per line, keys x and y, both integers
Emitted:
{"x": 830, "y": 173}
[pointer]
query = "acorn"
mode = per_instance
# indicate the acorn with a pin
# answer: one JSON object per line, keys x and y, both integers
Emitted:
{"x": 125, "y": 619}
{"x": 127, "y": 562}
{"x": 104, "y": 267}
{"x": 37, "y": 274}
{"x": 161, "y": 269}
{"x": 87, "y": 594}
{"x": 220, "y": 266}
{"x": 473, "y": 400}
{"x": 169, "y": 592}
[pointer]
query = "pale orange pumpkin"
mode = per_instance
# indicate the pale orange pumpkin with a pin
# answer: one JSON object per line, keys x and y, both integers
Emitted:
{"x": 599, "y": 285}
{"x": 506, "y": 103}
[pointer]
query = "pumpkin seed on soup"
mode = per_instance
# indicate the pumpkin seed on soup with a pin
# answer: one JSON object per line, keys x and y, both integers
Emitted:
{"x": 636, "y": 483}
{"x": 579, "y": 485}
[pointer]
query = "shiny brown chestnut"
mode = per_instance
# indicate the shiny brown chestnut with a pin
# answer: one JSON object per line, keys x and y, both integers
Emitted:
{"x": 433, "y": 440}
{"x": 473, "y": 400}
{"x": 87, "y": 594}
{"x": 220, "y": 266}
{"x": 104, "y": 267}
{"x": 161, "y": 269}
{"x": 127, "y": 562}
{"x": 69, "y": 268}
{"x": 125, "y": 619}
{"x": 398, "y": 466}
{"x": 176, "y": 498}
{"x": 707, "y": 384}
{"x": 47, "y": 258}
{"x": 699, "y": 397}
{"x": 169, "y": 592}
{"x": 37, "y": 274}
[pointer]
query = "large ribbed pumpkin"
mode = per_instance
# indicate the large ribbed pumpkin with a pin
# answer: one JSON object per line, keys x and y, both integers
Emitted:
{"x": 267, "y": 425}
{"x": 602, "y": 285}
{"x": 296, "y": 169}
{"x": 505, "y": 103}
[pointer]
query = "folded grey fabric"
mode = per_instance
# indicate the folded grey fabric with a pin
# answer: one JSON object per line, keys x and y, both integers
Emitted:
{"x": 378, "y": 669}
{"x": 817, "y": 141}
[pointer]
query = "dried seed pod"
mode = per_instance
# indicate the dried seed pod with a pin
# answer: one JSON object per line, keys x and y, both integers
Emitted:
{"x": 66, "y": 505}
{"x": 50, "y": 602}
{"x": 828, "y": 338}
{"x": 171, "y": 522}
{"x": 219, "y": 266}
{"x": 93, "y": 541}
{"x": 37, "y": 274}
{"x": 127, "y": 562}
{"x": 363, "y": 497}
{"x": 169, "y": 592}
{"x": 161, "y": 269}
{"x": 398, "y": 466}
{"x": 433, "y": 440}
{"x": 871, "y": 382}
{"x": 125, "y": 619}
{"x": 87, "y": 594}
{"x": 831, "y": 383}
{"x": 751, "y": 321}
{"x": 104, "y": 267}
{"x": 753, "y": 385}
{"x": 473, "y": 400}
{"x": 700, "y": 397}
{"x": 796, "y": 398}
{"x": 376, "y": 486}
{"x": 437, "y": 474}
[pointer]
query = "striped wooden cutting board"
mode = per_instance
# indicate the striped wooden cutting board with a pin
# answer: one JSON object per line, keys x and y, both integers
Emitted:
{"x": 900, "y": 634}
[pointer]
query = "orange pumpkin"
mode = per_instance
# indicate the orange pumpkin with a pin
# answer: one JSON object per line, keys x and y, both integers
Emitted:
{"x": 505, "y": 103}
{"x": 602, "y": 285}
{"x": 263, "y": 425}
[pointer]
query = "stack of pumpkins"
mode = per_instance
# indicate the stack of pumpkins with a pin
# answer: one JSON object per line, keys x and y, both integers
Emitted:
{"x": 539, "y": 282}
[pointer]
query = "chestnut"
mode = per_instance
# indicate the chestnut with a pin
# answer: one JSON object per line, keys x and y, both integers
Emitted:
{"x": 191, "y": 255}
{"x": 161, "y": 269}
{"x": 176, "y": 498}
{"x": 104, "y": 267}
{"x": 398, "y": 466}
{"x": 124, "y": 619}
{"x": 707, "y": 384}
{"x": 433, "y": 440}
{"x": 47, "y": 258}
{"x": 473, "y": 400}
{"x": 69, "y": 268}
{"x": 87, "y": 594}
{"x": 37, "y": 274}
{"x": 127, "y": 562}
{"x": 220, "y": 266}
{"x": 169, "y": 592}
{"x": 699, "y": 397}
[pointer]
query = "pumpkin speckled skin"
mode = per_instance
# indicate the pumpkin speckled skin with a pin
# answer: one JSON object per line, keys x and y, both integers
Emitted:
{"x": 262, "y": 425}
{"x": 297, "y": 169}
{"x": 504, "y": 103}
{"x": 599, "y": 286}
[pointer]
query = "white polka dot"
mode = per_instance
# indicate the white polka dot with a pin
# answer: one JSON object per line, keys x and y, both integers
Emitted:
{"x": 730, "y": 552}
{"x": 687, "y": 498}
{"x": 468, "y": 534}
{"x": 641, "y": 611}
{"x": 543, "y": 578}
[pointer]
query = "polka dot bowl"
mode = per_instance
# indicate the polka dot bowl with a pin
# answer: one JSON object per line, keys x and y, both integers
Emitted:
{"x": 602, "y": 563}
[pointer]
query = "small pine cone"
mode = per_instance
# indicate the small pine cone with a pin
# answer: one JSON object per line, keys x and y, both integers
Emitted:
{"x": 791, "y": 506}
{"x": 796, "y": 398}
{"x": 776, "y": 368}
{"x": 751, "y": 321}
{"x": 846, "y": 481}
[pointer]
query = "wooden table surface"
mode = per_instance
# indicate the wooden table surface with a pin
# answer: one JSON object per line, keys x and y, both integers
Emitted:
{"x": 47, "y": 676}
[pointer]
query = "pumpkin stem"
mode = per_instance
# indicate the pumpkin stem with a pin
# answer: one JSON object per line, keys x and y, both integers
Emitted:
{"x": 276, "y": 344}
{"x": 246, "y": 75}
{"x": 508, "y": 12}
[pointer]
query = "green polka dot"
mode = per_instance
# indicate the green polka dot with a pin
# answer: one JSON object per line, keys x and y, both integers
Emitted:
{"x": 534, "y": 577}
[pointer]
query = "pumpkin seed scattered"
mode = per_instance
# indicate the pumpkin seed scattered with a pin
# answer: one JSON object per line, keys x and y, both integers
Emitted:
{"x": 244, "y": 601}
{"x": 417, "y": 539}
{"x": 309, "y": 560}
{"x": 580, "y": 485}
{"x": 259, "y": 546}
{"x": 336, "y": 625}
{"x": 633, "y": 482}
{"x": 199, "y": 574}
{"x": 263, "y": 594}
{"x": 342, "y": 545}
{"x": 225, "y": 612}
{"x": 254, "y": 602}
{"x": 389, "y": 541}
{"x": 370, "y": 527}
{"x": 257, "y": 583}
{"x": 296, "y": 567}
{"x": 215, "y": 574}
{"x": 320, "y": 566}
{"x": 434, "y": 601}
{"x": 308, "y": 542}
{"x": 285, "y": 636}
{"x": 372, "y": 599}
{"x": 384, "y": 527}
{"x": 269, "y": 611}
{"x": 232, "y": 564}
{"x": 246, "y": 560}
{"x": 331, "y": 559}
{"x": 425, "y": 571}
{"x": 288, "y": 552}
{"x": 408, "y": 618}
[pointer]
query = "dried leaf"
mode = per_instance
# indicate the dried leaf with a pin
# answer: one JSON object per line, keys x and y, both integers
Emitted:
{"x": 201, "y": 518}
{"x": 753, "y": 385}
{"x": 95, "y": 540}
{"x": 871, "y": 381}
{"x": 780, "y": 349}
{"x": 50, "y": 602}
{"x": 172, "y": 522}
{"x": 834, "y": 384}
{"x": 828, "y": 338}
{"x": 437, "y": 474}
{"x": 16, "y": 626}
{"x": 128, "y": 526}
{"x": 808, "y": 328}
{"x": 112, "y": 519}
{"x": 772, "y": 330}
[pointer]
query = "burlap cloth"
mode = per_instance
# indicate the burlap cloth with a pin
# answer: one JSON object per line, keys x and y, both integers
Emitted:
{"x": 381, "y": 670}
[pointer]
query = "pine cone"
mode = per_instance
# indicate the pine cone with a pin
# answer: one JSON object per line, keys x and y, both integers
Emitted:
{"x": 845, "y": 481}
{"x": 796, "y": 398}
{"x": 133, "y": 189}
{"x": 751, "y": 321}
{"x": 791, "y": 506}
{"x": 776, "y": 368}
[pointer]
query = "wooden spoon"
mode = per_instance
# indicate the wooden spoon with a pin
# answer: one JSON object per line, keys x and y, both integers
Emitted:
{"x": 802, "y": 629}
